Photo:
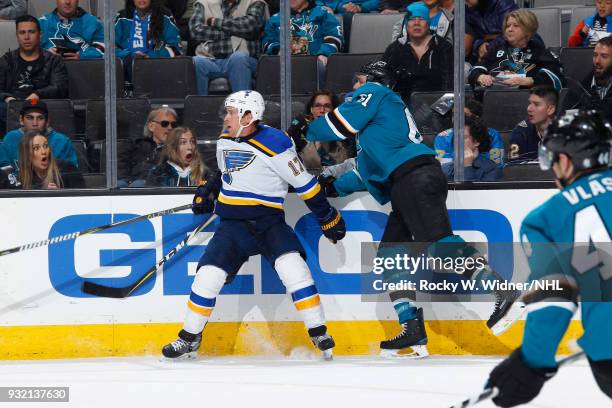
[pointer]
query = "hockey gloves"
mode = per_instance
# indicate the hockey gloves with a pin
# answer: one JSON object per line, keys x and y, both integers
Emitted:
{"x": 333, "y": 226}
{"x": 517, "y": 383}
{"x": 297, "y": 131}
{"x": 327, "y": 184}
{"x": 206, "y": 194}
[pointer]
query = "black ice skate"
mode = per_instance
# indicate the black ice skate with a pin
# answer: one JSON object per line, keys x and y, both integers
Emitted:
{"x": 507, "y": 311}
{"x": 322, "y": 341}
{"x": 413, "y": 336}
{"x": 185, "y": 347}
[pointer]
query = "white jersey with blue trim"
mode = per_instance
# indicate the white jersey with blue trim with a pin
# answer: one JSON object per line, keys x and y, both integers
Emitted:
{"x": 256, "y": 173}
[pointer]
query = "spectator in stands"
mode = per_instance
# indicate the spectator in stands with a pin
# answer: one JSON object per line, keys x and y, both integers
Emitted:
{"x": 527, "y": 135}
{"x": 318, "y": 154}
{"x": 228, "y": 41}
{"x": 11, "y": 9}
{"x": 518, "y": 61}
{"x": 145, "y": 29}
{"x": 314, "y": 31}
{"x": 484, "y": 21}
{"x": 444, "y": 144}
{"x": 595, "y": 91}
{"x": 71, "y": 32}
{"x": 34, "y": 115}
{"x": 476, "y": 145}
{"x": 29, "y": 72}
{"x": 393, "y": 6}
{"x": 590, "y": 30}
{"x": 137, "y": 160}
{"x": 38, "y": 169}
{"x": 180, "y": 163}
{"x": 440, "y": 22}
{"x": 347, "y": 9}
{"x": 424, "y": 62}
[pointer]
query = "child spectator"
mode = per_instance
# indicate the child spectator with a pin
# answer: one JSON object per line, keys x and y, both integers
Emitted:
{"x": 593, "y": 28}
{"x": 38, "y": 169}
{"x": 71, "y": 32}
{"x": 518, "y": 61}
{"x": 145, "y": 29}
{"x": 444, "y": 143}
{"x": 527, "y": 135}
{"x": 423, "y": 62}
{"x": 34, "y": 116}
{"x": 228, "y": 37}
{"x": 180, "y": 163}
{"x": 476, "y": 145}
{"x": 29, "y": 72}
{"x": 314, "y": 31}
{"x": 11, "y": 9}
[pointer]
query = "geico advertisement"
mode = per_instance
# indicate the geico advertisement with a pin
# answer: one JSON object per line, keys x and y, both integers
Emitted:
{"x": 43, "y": 285}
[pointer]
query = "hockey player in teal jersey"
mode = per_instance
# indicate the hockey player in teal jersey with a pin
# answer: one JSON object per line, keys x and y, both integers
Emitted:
{"x": 393, "y": 165}
{"x": 567, "y": 239}
{"x": 256, "y": 163}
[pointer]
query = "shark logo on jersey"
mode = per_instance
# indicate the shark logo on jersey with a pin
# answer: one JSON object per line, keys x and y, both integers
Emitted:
{"x": 235, "y": 160}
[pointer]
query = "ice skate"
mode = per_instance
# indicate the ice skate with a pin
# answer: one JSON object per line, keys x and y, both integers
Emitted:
{"x": 323, "y": 341}
{"x": 410, "y": 343}
{"x": 507, "y": 311}
{"x": 183, "y": 348}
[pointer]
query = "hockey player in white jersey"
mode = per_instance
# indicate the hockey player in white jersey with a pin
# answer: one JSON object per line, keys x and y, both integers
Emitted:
{"x": 256, "y": 165}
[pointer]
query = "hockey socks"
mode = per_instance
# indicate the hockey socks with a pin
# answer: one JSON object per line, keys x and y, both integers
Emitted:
{"x": 206, "y": 286}
{"x": 405, "y": 310}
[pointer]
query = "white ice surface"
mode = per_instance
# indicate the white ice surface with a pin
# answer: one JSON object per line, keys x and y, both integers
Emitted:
{"x": 297, "y": 381}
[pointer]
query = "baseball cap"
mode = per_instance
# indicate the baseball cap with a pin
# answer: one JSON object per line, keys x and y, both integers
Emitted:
{"x": 34, "y": 105}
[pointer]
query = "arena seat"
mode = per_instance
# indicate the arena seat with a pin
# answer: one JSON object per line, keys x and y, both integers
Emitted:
{"x": 208, "y": 152}
{"x": 371, "y": 32}
{"x": 164, "y": 78}
{"x": 116, "y": 5}
{"x": 342, "y": 67}
{"x": 61, "y": 115}
{"x": 503, "y": 109}
{"x": 95, "y": 180}
{"x": 202, "y": 115}
{"x": 549, "y": 25}
{"x": 427, "y": 120}
{"x": 131, "y": 117}
{"x": 39, "y": 8}
{"x": 80, "y": 148}
{"x": 303, "y": 74}
{"x": 86, "y": 79}
{"x": 526, "y": 172}
{"x": 577, "y": 62}
{"x": 272, "y": 115}
{"x": 8, "y": 39}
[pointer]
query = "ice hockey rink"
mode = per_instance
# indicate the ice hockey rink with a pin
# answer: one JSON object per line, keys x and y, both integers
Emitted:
{"x": 298, "y": 380}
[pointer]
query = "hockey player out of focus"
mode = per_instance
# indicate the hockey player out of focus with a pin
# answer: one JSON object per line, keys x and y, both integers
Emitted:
{"x": 256, "y": 165}
{"x": 567, "y": 239}
{"x": 394, "y": 166}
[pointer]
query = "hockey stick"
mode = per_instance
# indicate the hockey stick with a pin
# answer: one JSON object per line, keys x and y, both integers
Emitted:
{"x": 492, "y": 392}
{"x": 75, "y": 235}
{"x": 125, "y": 291}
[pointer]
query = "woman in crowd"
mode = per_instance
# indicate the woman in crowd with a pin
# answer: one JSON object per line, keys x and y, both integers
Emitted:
{"x": 38, "y": 169}
{"x": 145, "y": 29}
{"x": 180, "y": 163}
{"x": 518, "y": 61}
{"x": 318, "y": 154}
{"x": 483, "y": 23}
{"x": 593, "y": 28}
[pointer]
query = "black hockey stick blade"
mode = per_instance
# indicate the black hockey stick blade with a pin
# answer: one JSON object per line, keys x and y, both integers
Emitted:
{"x": 125, "y": 291}
{"x": 75, "y": 235}
{"x": 492, "y": 392}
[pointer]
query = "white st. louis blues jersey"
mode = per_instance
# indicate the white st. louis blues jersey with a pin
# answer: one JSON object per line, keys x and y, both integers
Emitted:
{"x": 256, "y": 172}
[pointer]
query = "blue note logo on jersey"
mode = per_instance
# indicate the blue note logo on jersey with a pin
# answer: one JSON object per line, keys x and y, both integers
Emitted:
{"x": 235, "y": 160}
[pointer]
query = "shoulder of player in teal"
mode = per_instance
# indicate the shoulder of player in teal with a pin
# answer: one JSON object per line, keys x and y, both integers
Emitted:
{"x": 271, "y": 141}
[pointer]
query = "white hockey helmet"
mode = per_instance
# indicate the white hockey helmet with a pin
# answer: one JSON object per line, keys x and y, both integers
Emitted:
{"x": 247, "y": 101}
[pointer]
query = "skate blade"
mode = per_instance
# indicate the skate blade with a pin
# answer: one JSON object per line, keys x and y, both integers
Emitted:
{"x": 185, "y": 357}
{"x": 515, "y": 312}
{"x": 327, "y": 355}
{"x": 413, "y": 352}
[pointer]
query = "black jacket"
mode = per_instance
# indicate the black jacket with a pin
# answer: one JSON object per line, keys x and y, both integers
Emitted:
{"x": 535, "y": 61}
{"x": 136, "y": 158}
{"x": 433, "y": 72}
{"x": 49, "y": 79}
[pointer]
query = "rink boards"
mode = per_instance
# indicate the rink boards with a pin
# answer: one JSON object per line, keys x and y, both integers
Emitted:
{"x": 44, "y": 313}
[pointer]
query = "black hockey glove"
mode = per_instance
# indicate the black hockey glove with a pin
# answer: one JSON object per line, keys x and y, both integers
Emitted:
{"x": 517, "y": 383}
{"x": 206, "y": 194}
{"x": 333, "y": 226}
{"x": 327, "y": 184}
{"x": 297, "y": 131}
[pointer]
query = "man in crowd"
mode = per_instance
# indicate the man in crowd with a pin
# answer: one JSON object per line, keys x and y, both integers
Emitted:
{"x": 527, "y": 135}
{"x": 71, "y": 32}
{"x": 599, "y": 82}
{"x": 29, "y": 72}
{"x": 34, "y": 115}
{"x": 228, "y": 41}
